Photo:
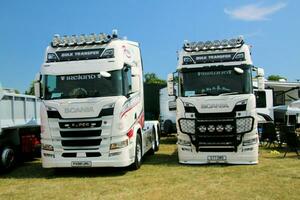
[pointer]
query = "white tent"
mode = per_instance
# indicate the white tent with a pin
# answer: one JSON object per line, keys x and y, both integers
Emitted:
{"x": 289, "y": 110}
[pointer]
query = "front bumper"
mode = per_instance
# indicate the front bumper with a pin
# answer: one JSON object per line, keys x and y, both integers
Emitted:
{"x": 245, "y": 155}
{"x": 117, "y": 158}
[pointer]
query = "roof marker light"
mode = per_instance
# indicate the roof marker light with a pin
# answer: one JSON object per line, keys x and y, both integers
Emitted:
{"x": 72, "y": 40}
{"x": 81, "y": 39}
{"x": 56, "y": 40}
{"x": 187, "y": 44}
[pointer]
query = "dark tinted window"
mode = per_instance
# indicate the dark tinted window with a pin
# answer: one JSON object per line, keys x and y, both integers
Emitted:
{"x": 260, "y": 99}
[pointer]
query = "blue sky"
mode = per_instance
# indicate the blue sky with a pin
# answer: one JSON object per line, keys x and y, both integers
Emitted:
{"x": 272, "y": 27}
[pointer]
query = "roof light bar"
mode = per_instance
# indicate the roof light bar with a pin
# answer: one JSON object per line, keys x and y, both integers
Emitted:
{"x": 82, "y": 39}
{"x": 213, "y": 45}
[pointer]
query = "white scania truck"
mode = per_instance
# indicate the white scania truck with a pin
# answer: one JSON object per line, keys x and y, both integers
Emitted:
{"x": 216, "y": 114}
{"x": 92, "y": 111}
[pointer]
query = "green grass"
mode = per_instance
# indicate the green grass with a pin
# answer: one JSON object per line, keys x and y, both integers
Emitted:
{"x": 160, "y": 177}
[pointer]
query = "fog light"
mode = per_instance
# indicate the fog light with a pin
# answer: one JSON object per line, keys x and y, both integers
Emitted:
{"x": 228, "y": 128}
{"x": 202, "y": 129}
{"x": 211, "y": 128}
{"x": 219, "y": 128}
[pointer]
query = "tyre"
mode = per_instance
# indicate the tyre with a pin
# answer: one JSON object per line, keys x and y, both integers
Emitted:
{"x": 153, "y": 142}
{"x": 168, "y": 127}
{"x": 8, "y": 158}
{"x": 157, "y": 139}
{"x": 138, "y": 154}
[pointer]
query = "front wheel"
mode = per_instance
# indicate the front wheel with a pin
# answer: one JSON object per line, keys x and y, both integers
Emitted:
{"x": 8, "y": 158}
{"x": 138, "y": 154}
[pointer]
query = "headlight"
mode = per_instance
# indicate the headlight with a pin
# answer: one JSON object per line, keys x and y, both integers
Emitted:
{"x": 49, "y": 108}
{"x": 118, "y": 145}
{"x": 184, "y": 142}
{"x": 187, "y": 126}
{"x": 244, "y": 125}
{"x": 47, "y": 147}
{"x": 250, "y": 142}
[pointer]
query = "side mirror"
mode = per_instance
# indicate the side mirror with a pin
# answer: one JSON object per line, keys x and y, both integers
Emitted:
{"x": 260, "y": 78}
{"x": 37, "y": 89}
{"x": 37, "y": 85}
{"x": 170, "y": 85}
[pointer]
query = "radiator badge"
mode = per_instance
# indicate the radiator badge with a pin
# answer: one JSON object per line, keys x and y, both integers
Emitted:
{"x": 79, "y": 109}
{"x": 214, "y": 106}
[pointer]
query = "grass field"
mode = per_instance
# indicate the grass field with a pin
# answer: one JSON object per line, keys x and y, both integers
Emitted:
{"x": 160, "y": 177}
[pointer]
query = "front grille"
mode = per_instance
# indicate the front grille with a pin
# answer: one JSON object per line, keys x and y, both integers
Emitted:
{"x": 80, "y": 143}
{"x": 90, "y": 133}
{"x": 214, "y": 132}
{"x": 211, "y": 135}
{"x": 80, "y": 124}
{"x": 80, "y": 134}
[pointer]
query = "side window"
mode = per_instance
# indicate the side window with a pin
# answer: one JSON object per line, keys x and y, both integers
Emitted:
{"x": 127, "y": 79}
{"x": 172, "y": 105}
{"x": 260, "y": 99}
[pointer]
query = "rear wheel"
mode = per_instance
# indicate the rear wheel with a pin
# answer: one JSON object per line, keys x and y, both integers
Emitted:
{"x": 157, "y": 139}
{"x": 8, "y": 158}
{"x": 138, "y": 153}
{"x": 168, "y": 127}
{"x": 153, "y": 142}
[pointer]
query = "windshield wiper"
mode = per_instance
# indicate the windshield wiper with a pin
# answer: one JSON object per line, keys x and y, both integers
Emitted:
{"x": 199, "y": 95}
{"x": 228, "y": 93}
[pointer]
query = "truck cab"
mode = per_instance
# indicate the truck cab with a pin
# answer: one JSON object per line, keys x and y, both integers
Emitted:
{"x": 216, "y": 111}
{"x": 92, "y": 110}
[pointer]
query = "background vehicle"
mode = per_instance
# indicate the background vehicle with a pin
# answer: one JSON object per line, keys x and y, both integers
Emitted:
{"x": 93, "y": 103}
{"x": 216, "y": 112}
{"x": 167, "y": 108}
{"x": 19, "y": 128}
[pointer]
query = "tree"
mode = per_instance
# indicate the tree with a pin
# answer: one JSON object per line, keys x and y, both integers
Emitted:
{"x": 30, "y": 90}
{"x": 153, "y": 79}
{"x": 275, "y": 78}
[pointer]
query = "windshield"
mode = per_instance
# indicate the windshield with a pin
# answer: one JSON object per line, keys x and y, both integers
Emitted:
{"x": 215, "y": 81}
{"x": 83, "y": 85}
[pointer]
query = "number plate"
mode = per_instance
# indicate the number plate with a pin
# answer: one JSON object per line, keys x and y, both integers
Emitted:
{"x": 81, "y": 163}
{"x": 217, "y": 159}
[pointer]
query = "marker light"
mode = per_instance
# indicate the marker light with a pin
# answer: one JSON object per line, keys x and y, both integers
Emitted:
{"x": 186, "y": 44}
{"x": 114, "y": 33}
{"x": 81, "y": 39}
{"x": 224, "y": 42}
{"x": 72, "y": 40}
{"x": 56, "y": 40}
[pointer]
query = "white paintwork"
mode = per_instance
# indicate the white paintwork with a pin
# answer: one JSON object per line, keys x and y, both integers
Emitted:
{"x": 114, "y": 127}
{"x": 18, "y": 110}
{"x": 165, "y": 112}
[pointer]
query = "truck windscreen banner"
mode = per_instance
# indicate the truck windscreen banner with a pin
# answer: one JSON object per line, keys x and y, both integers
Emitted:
{"x": 213, "y": 58}
{"x": 82, "y": 54}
